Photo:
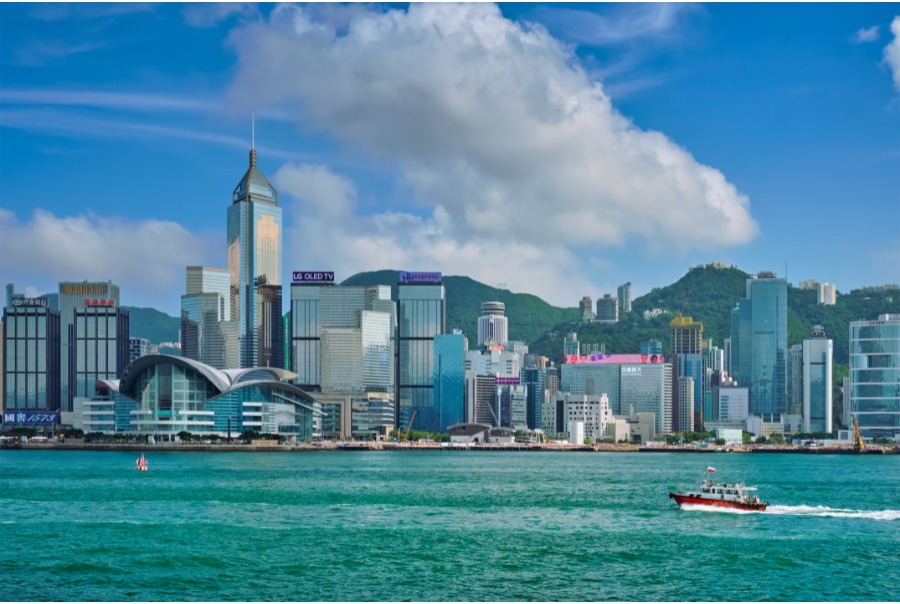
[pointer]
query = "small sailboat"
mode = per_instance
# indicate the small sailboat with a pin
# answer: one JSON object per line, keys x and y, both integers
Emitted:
{"x": 142, "y": 463}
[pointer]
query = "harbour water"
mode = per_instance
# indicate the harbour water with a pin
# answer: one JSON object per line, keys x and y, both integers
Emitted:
{"x": 438, "y": 525}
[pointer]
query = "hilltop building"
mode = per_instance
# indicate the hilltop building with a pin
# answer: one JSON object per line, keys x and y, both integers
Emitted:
{"x": 607, "y": 309}
{"x": 624, "y": 294}
{"x": 827, "y": 294}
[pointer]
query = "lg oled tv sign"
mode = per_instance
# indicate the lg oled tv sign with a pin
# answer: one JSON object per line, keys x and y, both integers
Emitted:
{"x": 312, "y": 277}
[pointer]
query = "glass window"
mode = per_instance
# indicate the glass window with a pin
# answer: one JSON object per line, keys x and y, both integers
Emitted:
{"x": 101, "y": 326}
{"x": 42, "y": 327}
{"x": 79, "y": 326}
{"x": 91, "y": 355}
{"x": 113, "y": 324}
{"x": 91, "y": 326}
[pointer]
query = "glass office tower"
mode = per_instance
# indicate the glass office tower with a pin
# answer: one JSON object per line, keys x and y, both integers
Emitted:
{"x": 759, "y": 343}
{"x": 368, "y": 315}
{"x": 254, "y": 259}
{"x": 100, "y": 348}
{"x": 72, "y": 296}
{"x": 449, "y": 381}
{"x": 875, "y": 376}
{"x": 31, "y": 363}
{"x": 421, "y": 315}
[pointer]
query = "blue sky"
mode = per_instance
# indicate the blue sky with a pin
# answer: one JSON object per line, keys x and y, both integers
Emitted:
{"x": 557, "y": 149}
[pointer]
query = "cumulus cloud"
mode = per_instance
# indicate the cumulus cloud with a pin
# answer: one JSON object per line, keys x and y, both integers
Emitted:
{"x": 506, "y": 143}
{"x": 145, "y": 258}
{"x": 330, "y": 231}
{"x": 864, "y": 35}
{"x": 892, "y": 52}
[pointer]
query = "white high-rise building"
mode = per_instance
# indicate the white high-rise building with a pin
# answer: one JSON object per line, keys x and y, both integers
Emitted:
{"x": 827, "y": 294}
{"x": 493, "y": 324}
{"x": 817, "y": 358}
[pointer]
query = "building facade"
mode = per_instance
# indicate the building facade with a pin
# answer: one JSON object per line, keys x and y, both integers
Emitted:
{"x": 31, "y": 364}
{"x": 827, "y": 294}
{"x": 421, "y": 315}
{"x": 254, "y": 248}
{"x": 875, "y": 375}
{"x": 208, "y": 333}
{"x": 449, "y": 381}
{"x": 607, "y": 309}
{"x": 100, "y": 348}
{"x": 161, "y": 395}
{"x": 74, "y": 296}
{"x": 624, "y": 295}
{"x": 817, "y": 376}
{"x": 493, "y": 326}
{"x": 760, "y": 342}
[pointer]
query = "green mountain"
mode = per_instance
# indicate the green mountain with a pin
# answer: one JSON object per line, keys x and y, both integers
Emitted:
{"x": 152, "y": 324}
{"x": 530, "y": 317}
{"x": 706, "y": 294}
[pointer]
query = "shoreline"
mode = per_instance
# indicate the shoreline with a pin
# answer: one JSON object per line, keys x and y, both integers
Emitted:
{"x": 353, "y": 446}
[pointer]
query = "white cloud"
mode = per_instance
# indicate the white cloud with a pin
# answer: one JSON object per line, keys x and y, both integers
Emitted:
{"x": 892, "y": 52}
{"x": 869, "y": 34}
{"x": 329, "y": 232}
{"x": 517, "y": 158}
{"x": 145, "y": 258}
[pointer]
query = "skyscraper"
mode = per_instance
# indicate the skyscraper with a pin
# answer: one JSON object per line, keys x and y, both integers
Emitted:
{"x": 875, "y": 375}
{"x": 421, "y": 315}
{"x": 208, "y": 333}
{"x": 73, "y": 296}
{"x": 817, "y": 372}
{"x": 449, "y": 380}
{"x": 254, "y": 260}
{"x": 624, "y": 293}
{"x": 355, "y": 324}
{"x": 760, "y": 343}
{"x": 492, "y": 324}
{"x": 688, "y": 361}
{"x": 31, "y": 332}
{"x": 100, "y": 340}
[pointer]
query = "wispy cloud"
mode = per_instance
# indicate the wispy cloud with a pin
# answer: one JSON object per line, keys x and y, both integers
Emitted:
{"x": 617, "y": 24}
{"x": 869, "y": 34}
{"x": 211, "y": 14}
{"x": 892, "y": 52}
{"x": 107, "y": 100}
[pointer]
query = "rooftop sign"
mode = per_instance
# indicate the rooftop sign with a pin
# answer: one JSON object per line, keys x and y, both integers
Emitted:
{"x": 29, "y": 302}
{"x": 312, "y": 277}
{"x": 406, "y": 278}
{"x": 614, "y": 359}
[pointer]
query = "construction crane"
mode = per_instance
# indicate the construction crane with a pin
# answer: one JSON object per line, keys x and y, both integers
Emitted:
{"x": 858, "y": 443}
{"x": 409, "y": 426}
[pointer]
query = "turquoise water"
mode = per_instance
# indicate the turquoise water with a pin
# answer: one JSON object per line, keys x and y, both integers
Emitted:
{"x": 442, "y": 526}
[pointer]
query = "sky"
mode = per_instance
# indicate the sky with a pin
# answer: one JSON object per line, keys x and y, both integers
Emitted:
{"x": 553, "y": 149}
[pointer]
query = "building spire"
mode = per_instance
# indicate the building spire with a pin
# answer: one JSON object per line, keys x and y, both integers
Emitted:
{"x": 252, "y": 138}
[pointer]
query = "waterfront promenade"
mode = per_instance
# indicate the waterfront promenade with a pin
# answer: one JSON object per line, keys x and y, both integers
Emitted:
{"x": 80, "y": 445}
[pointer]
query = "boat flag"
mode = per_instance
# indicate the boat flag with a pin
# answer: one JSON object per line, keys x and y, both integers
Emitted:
{"x": 710, "y": 469}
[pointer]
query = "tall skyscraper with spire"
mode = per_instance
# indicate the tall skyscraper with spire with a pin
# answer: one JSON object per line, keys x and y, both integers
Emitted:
{"x": 254, "y": 266}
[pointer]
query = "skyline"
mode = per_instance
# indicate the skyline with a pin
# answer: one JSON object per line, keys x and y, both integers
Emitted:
{"x": 574, "y": 148}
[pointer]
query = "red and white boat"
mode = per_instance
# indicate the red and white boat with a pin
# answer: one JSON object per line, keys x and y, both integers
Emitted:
{"x": 735, "y": 496}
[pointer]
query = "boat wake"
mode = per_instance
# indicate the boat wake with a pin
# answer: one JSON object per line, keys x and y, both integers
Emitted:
{"x": 802, "y": 510}
{"x": 820, "y": 510}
